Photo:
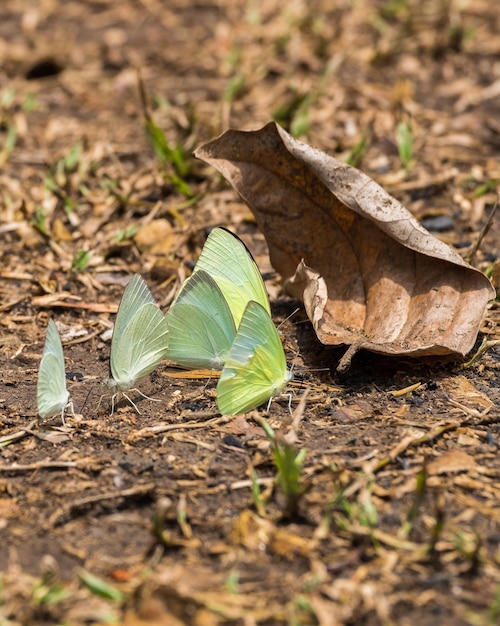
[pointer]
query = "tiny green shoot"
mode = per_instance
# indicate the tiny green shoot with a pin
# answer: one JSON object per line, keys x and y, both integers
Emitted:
{"x": 404, "y": 141}
{"x": 9, "y": 143}
{"x": 176, "y": 156}
{"x": 494, "y": 609}
{"x": 100, "y": 587}
{"x": 39, "y": 221}
{"x": 288, "y": 463}
{"x": 81, "y": 260}
{"x": 125, "y": 234}
{"x": 258, "y": 500}
{"x": 416, "y": 505}
{"x": 359, "y": 150}
{"x": 234, "y": 88}
{"x": 232, "y": 581}
{"x": 49, "y": 592}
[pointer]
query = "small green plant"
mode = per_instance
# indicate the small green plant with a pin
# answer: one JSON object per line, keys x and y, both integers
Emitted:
{"x": 416, "y": 505}
{"x": 81, "y": 260}
{"x": 125, "y": 234}
{"x": 9, "y": 143}
{"x": 288, "y": 463}
{"x": 494, "y": 609}
{"x": 64, "y": 180}
{"x": 362, "y": 512}
{"x": 48, "y": 590}
{"x": 358, "y": 152}
{"x": 100, "y": 587}
{"x": 30, "y": 102}
{"x": 39, "y": 221}
{"x": 490, "y": 185}
{"x": 232, "y": 581}
{"x": 404, "y": 141}
{"x": 258, "y": 500}
{"x": 234, "y": 88}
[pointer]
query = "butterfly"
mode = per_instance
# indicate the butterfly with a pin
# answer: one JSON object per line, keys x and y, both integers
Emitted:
{"x": 140, "y": 339}
{"x": 51, "y": 393}
{"x": 228, "y": 261}
{"x": 255, "y": 370}
{"x": 200, "y": 324}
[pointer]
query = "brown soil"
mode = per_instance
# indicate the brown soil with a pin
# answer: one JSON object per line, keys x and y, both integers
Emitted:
{"x": 399, "y": 522}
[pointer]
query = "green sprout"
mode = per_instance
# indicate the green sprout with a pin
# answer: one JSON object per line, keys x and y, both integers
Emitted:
{"x": 9, "y": 143}
{"x": 124, "y": 234}
{"x": 413, "y": 512}
{"x": 359, "y": 150}
{"x": 288, "y": 463}
{"x": 30, "y": 102}
{"x": 494, "y": 609}
{"x": 39, "y": 221}
{"x": 232, "y": 581}
{"x": 234, "y": 88}
{"x": 404, "y": 140}
{"x": 258, "y": 500}
{"x": 177, "y": 156}
{"x": 99, "y": 587}
{"x": 81, "y": 260}
{"x": 46, "y": 592}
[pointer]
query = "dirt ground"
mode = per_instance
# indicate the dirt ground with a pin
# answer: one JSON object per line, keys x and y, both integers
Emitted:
{"x": 175, "y": 516}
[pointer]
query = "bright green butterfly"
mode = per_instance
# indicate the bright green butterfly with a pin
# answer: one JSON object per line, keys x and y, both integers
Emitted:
{"x": 51, "y": 393}
{"x": 140, "y": 339}
{"x": 200, "y": 324}
{"x": 228, "y": 261}
{"x": 255, "y": 368}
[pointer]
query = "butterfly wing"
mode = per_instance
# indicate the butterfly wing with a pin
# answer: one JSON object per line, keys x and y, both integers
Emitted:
{"x": 52, "y": 395}
{"x": 201, "y": 327}
{"x": 255, "y": 369}
{"x": 136, "y": 295}
{"x": 140, "y": 346}
{"x": 226, "y": 258}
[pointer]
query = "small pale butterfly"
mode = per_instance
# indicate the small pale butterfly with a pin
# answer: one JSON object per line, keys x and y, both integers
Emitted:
{"x": 51, "y": 394}
{"x": 200, "y": 325}
{"x": 140, "y": 339}
{"x": 228, "y": 261}
{"x": 255, "y": 370}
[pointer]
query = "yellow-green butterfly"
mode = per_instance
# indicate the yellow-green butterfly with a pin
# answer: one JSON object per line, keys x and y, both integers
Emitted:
{"x": 51, "y": 393}
{"x": 200, "y": 325}
{"x": 140, "y": 339}
{"x": 228, "y": 261}
{"x": 255, "y": 369}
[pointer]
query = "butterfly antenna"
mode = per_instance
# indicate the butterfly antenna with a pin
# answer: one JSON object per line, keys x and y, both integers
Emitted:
{"x": 288, "y": 317}
{"x": 141, "y": 394}
{"x": 131, "y": 401}
{"x": 87, "y": 397}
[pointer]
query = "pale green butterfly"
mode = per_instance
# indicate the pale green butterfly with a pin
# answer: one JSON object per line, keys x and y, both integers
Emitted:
{"x": 200, "y": 325}
{"x": 255, "y": 369}
{"x": 228, "y": 261}
{"x": 51, "y": 393}
{"x": 140, "y": 339}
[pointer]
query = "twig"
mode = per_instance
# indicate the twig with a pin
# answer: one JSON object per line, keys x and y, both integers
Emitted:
{"x": 151, "y": 431}
{"x": 73, "y": 507}
{"x": 30, "y": 467}
{"x": 470, "y": 257}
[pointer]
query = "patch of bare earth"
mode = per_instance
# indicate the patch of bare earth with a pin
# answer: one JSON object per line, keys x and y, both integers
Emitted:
{"x": 400, "y": 519}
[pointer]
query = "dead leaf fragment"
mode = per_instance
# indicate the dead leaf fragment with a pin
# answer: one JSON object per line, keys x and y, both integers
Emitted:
{"x": 369, "y": 274}
{"x": 451, "y": 462}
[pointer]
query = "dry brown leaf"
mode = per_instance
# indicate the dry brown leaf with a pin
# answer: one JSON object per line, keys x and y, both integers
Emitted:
{"x": 369, "y": 274}
{"x": 451, "y": 462}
